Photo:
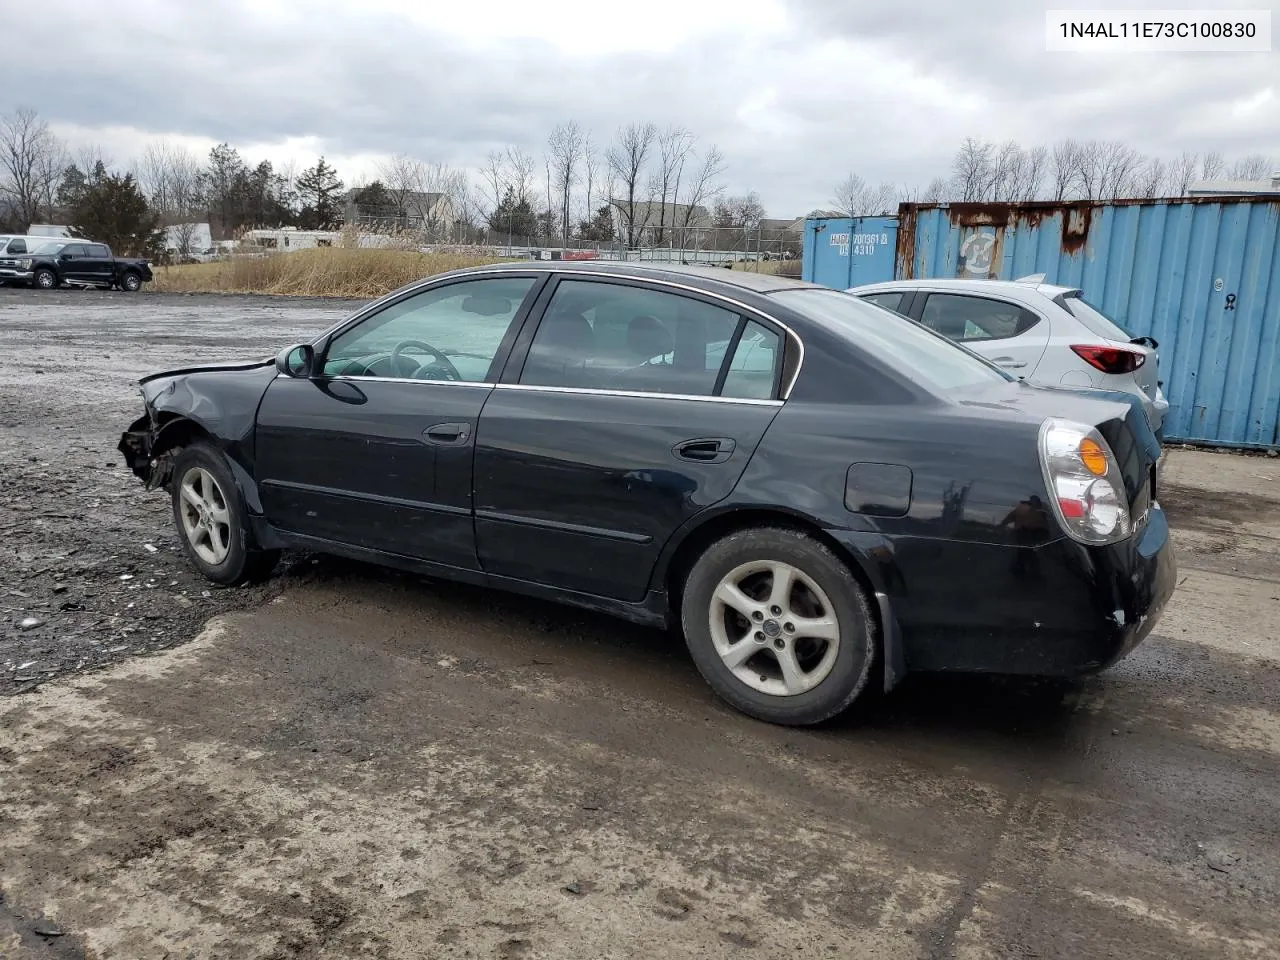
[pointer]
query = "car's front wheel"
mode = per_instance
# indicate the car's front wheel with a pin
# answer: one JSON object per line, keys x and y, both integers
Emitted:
{"x": 45, "y": 279}
{"x": 778, "y": 626}
{"x": 212, "y": 520}
{"x": 131, "y": 282}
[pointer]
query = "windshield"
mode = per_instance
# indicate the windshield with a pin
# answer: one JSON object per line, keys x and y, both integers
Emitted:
{"x": 1093, "y": 318}
{"x": 45, "y": 249}
{"x": 893, "y": 338}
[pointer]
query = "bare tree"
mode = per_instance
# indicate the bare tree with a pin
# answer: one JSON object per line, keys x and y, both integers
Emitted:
{"x": 170, "y": 176}
{"x": 972, "y": 170}
{"x": 1064, "y": 169}
{"x": 428, "y": 195}
{"x": 1151, "y": 179}
{"x": 591, "y": 171}
{"x": 675, "y": 143}
{"x": 701, "y": 190}
{"x": 565, "y": 155}
{"x": 1211, "y": 165}
{"x": 854, "y": 197}
{"x": 30, "y": 163}
{"x": 628, "y": 160}
{"x": 1182, "y": 173}
{"x": 1255, "y": 166}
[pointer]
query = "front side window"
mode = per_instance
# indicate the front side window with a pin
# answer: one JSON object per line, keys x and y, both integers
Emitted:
{"x": 18, "y": 246}
{"x": 607, "y": 336}
{"x": 963, "y": 318}
{"x": 451, "y": 332}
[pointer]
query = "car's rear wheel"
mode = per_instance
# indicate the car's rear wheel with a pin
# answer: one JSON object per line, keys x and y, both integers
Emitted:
{"x": 45, "y": 279}
{"x": 778, "y": 626}
{"x": 212, "y": 520}
{"x": 131, "y": 282}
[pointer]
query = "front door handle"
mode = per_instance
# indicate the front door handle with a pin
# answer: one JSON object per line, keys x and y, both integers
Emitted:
{"x": 1009, "y": 362}
{"x": 705, "y": 449}
{"x": 447, "y": 433}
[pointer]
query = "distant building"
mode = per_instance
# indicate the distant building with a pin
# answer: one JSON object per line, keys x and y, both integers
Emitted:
{"x": 48, "y": 230}
{"x": 657, "y": 222}
{"x": 189, "y": 240}
{"x": 1237, "y": 188}
{"x": 431, "y": 213}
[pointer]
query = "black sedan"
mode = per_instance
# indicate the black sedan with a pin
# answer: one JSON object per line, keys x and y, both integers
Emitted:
{"x": 821, "y": 494}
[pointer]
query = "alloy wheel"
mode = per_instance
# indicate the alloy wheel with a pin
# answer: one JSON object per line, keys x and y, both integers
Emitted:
{"x": 774, "y": 628}
{"x": 206, "y": 519}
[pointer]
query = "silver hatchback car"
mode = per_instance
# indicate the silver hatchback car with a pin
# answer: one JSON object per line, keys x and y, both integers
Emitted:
{"x": 1045, "y": 334}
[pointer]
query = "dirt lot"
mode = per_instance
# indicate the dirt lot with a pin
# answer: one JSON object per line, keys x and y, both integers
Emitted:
{"x": 349, "y": 762}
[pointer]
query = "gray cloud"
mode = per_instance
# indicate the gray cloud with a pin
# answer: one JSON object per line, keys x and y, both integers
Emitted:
{"x": 885, "y": 90}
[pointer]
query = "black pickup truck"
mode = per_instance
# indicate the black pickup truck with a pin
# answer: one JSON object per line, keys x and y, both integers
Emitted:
{"x": 75, "y": 263}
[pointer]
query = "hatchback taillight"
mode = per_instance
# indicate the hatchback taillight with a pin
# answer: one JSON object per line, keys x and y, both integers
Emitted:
{"x": 1109, "y": 359}
{"x": 1084, "y": 482}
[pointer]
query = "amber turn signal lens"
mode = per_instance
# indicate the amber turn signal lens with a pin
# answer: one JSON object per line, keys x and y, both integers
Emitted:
{"x": 1093, "y": 457}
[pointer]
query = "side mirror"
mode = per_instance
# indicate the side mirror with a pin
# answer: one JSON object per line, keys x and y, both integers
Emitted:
{"x": 296, "y": 361}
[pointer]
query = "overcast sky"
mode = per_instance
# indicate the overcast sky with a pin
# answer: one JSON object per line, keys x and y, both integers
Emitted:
{"x": 796, "y": 94}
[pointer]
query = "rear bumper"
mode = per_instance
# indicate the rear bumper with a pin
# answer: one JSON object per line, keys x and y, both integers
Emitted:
{"x": 1061, "y": 609}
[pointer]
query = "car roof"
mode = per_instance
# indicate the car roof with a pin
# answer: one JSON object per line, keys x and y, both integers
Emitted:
{"x": 968, "y": 286}
{"x": 706, "y": 277}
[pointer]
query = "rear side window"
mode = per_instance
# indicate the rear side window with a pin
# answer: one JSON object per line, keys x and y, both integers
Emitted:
{"x": 1097, "y": 321}
{"x": 903, "y": 345}
{"x": 602, "y": 336}
{"x": 891, "y": 300}
{"x": 965, "y": 318}
{"x": 98, "y": 250}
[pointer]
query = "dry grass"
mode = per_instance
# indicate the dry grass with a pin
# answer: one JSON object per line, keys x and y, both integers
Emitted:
{"x": 328, "y": 272}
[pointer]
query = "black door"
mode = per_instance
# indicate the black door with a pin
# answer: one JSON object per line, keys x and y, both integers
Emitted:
{"x": 637, "y": 407}
{"x": 73, "y": 262}
{"x": 377, "y": 451}
{"x": 99, "y": 266}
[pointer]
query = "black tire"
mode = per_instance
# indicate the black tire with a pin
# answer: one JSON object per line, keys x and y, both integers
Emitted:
{"x": 45, "y": 279}
{"x": 244, "y": 561}
{"x": 855, "y": 655}
{"x": 131, "y": 282}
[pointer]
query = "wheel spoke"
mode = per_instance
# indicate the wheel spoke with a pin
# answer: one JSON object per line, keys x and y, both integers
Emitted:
{"x": 191, "y": 495}
{"x": 729, "y": 594}
{"x": 219, "y": 514}
{"x": 740, "y": 653}
{"x": 793, "y": 678}
{"x": 818, "y": 628}
{"x": 783, "y": 578}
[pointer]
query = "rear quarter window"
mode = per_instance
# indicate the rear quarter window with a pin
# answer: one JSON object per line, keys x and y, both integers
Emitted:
{"x": 1097, "y": 321}
{"x": 894, "y": 340}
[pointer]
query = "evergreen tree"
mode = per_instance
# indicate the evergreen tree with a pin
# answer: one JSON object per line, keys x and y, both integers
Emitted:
{"x": 320, "y": 193}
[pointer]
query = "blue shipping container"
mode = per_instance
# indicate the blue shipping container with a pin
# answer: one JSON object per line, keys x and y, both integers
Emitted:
{"x": 1201, "y": 276}
{"x": 844, "y": 252}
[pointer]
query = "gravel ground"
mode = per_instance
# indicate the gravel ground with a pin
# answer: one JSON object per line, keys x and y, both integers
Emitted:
{"x": 350, "y": 762}
{"x": 91, "y": 570}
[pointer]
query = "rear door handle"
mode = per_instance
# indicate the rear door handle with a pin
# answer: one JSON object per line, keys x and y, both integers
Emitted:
{"x": 705, "y": 450}
{"x": 447, "y": 433}
{"x": 1009, "y": 362}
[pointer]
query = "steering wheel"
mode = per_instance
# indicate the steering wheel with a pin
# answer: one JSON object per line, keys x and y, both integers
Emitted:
{"x": 451, "y": 372}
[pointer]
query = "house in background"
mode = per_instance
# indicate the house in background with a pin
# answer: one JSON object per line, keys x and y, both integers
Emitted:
{"x": 432, "y": 214}
{"x": 669, "y": 224}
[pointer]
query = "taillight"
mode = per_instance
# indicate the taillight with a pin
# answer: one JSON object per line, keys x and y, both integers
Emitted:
{"x": 1084, "y": 482}
{"x": 1110, "y": 359}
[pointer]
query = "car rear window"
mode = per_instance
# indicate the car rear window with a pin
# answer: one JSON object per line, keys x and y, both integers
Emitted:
{"x": 1093, "y": 318}
{"x": 902, "y": 343}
